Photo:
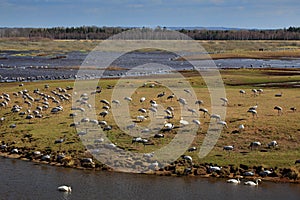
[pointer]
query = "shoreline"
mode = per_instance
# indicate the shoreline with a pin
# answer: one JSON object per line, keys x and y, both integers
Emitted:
{"x": 196, "y": 171}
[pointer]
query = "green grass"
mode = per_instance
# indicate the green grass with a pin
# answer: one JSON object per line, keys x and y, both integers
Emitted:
{"x": 267, "y": 127}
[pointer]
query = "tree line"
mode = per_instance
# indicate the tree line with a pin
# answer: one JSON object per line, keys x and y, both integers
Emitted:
{"x": 101, "y": 33}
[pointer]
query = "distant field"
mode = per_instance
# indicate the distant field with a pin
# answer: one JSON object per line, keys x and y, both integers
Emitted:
{"x": 217, "y": 49}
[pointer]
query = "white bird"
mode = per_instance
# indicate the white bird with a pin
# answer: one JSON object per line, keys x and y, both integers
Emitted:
{"x": 265, "y": 173}
{"x": 159, "y": 135}
{"x": 141, "y": 118}
{"x": 102, "y": 123}
{"x": 215, "y": 116}
{"x": 183, "y": 122}
{"x": 100, "y": 140}
{"x": 225, "y": 100}
{"x": 222, "y": 123}
{"x": 278, "y": 95}
{"x": 199, "y": 102}
{"x": 142, "y": 110}
{"x": 279, "y": 109}
{"x": 116, "y": 102}
{"x": 196, "y": 121}
{"x": 172, "y": 96}
{"x": 228, "y": 148}
{"x": 193, "y": 111}
{"x": 272, "y": 144}
{"x": 64, "y": 188}
{"x": 153, "y": 166}
{"x": 131, "y": 126}
{"x": 192, "y": 149}
{"x": 152, "y": 101}
{"x": 85, "y": 120}
{"x": 254, "y": 92}
{"x": 168, "y": 112}
{"x": 241, "y": 127}
{"x": 251, "y": 183}
{"x": 168, "y": 126}
{"x": 103, "y": 113}
{"x": 170, "y": 108}
{"x": 148, "y": 155}
{"x": 154, "y": 105}
{"x": 94, "y": 121}
{"x": 104, "y": 107}
{"x": 153, "y": 110}
{"x": 242, "y": 92}
{"x": 253, "y": 112}
{"x": 254, "y": 144}
{"x": 142, "y": 99}
{"x": 104, "y": 101}
{"x": 214, "y": 168}
{"x": 161, "y": 95}
{"x": 188, "y": 91}
{"x": 205, "y": 111}
{"x": 15, "y": 151}
{"x": 248, "y": 173}
{"x": 253, "y": 107}
{"x": 128, "y": 99}
{"x": 234, "y": 181}
{"x": 29, "y": 117}
{"x": 182, "y": 101}
{"x": 260, "y": 91}
{"x": 111, "y": 146}
{"x": 188, "y": 158}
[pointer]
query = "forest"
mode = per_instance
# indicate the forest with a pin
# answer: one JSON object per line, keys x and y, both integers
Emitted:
{"x": 101, "y": 33}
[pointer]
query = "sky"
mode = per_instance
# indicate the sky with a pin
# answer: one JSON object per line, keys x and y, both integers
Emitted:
{"x": 261, "y": 14}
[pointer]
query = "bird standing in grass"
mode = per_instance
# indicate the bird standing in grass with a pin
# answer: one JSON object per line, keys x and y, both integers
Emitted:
{"x": 279, "y": 109}
{"x": 160, "y": 95}
{"x": 253, "y": 112}
{"x": 241, "y": 127}
{"x": 224, "y": 100}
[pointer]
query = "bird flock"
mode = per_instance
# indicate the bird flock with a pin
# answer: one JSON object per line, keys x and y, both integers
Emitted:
{"x": 164, "y": 105}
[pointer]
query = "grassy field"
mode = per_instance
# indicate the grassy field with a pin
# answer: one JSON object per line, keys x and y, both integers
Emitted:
{"x": 40, "y": 134}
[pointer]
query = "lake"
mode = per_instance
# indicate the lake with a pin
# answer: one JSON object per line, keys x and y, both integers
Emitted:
{"x": 39, "y": 68}
{"x": 27, "y": 180}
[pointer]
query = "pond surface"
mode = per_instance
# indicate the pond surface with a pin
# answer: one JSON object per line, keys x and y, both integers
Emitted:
{"x": 26, "y": 180}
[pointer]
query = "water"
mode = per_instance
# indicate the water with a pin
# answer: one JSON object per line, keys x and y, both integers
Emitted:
{"x": 25, "y": 180}
{"x": 14, "y": 67}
